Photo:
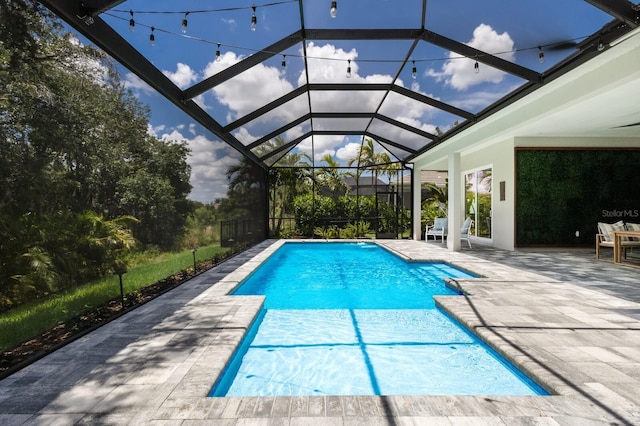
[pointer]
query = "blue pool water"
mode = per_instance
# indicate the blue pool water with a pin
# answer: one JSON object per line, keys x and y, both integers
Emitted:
{"x": 354, "y": 319}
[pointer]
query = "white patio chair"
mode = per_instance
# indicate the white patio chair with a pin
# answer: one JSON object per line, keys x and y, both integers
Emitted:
{"x": 465, "y": 230}
{"x": 438, "y": 229}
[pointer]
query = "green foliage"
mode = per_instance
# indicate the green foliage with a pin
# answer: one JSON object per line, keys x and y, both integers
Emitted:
{"x": 563, "y": 191}
{"x": 359, "y": 229}
{"x": 317, "y": 212}
{"x": 73, "y": 164}
{"x": 201, "y": 228}
{"x": 246, "y": 194}
{"x": 33, "y": 318}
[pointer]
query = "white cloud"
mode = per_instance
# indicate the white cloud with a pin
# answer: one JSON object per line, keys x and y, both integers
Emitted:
{"x": 231, "y": 23}
{"x": 209, "y": 161}
{"x": 133, "y": 82}
{"x": 459, "y": 72}
{"x": 348, "y": 151}
{"x": 183, "y": 77}
{"x": 244, "y": 135}
{"x": 332, "y": 69}
{"x": 329, "y": 64}
{"x": 481, "y": 99}
{"x": 322, "y": 144}
{"x": 153, "y": 131}
{"x": 251, "y": 89}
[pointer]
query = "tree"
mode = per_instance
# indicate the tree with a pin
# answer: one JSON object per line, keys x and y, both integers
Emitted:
{"x": 74, "y": 146}
{"x": 286, "y": 181}
{"x": 246, "y": 191}
{"x": 331, "y": 177}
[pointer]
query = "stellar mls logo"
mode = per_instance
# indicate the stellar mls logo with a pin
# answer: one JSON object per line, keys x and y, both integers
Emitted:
{"x": 620, "y": 213}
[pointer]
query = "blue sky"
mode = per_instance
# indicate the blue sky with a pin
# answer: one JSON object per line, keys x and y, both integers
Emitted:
{"x": 510, "y": 29}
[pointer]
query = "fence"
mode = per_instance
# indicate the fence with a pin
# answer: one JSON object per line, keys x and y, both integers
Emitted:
{"x": 241, "y": 231}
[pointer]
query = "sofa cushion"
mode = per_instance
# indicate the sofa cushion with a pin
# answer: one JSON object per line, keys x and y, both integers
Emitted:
{"x": 633, "y": 227}
{"x": 607, "y": 229}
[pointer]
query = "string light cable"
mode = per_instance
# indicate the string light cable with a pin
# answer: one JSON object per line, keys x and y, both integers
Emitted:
{"x": 477, "y": 58}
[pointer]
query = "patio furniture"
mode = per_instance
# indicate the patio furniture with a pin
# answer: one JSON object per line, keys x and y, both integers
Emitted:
{"x": 439, "y": 229}
{"x": 617, "y": 236}
{"x": 465, "y": 230}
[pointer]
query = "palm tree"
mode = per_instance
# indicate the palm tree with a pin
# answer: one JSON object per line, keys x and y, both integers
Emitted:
{"x": 286, "y": 180}
{"x": 331, "y": 176}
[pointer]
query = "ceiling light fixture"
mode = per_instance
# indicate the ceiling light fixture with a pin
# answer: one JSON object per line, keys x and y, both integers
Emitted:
{"x": 152, "y": 37}
{"x": 333, "y": 12}
{"x": 132, "y": 23}
{"x": 254, "y": 18}
{"x": 184, "y": 23}
{"x": 540, "y": 55}
{"x": 414, "y": 71}
{"x": 349, "y": 68}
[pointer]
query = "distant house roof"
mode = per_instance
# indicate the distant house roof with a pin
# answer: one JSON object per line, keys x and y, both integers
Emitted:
{"x": 437, "y": 177}
{"x": 369, "y": 180}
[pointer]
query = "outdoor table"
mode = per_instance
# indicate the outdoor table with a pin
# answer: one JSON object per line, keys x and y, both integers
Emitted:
{"x": 617, "y": 243}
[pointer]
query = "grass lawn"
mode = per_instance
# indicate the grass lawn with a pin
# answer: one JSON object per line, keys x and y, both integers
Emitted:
{"x": 29, "y": 320}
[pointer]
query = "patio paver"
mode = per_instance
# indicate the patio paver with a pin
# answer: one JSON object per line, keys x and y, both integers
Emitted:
{"x": 575, "y": 328}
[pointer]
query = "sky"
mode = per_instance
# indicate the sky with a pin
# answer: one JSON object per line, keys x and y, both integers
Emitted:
{"x": 512, "y": 30}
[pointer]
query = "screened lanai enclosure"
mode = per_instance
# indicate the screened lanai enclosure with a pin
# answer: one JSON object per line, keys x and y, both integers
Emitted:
{"x": 330, "y": 102}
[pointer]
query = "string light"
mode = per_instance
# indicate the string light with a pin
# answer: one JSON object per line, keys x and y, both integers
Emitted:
{"x": 254, "y": 18}
{"x": 184, "y": 23}
{"x": 349, "y": 68}
{"x": 414, "y": 71}
{"x": 600, "y": 46}
{"x": 152, "y": 37}
{"x": 284, "y": 64}
{"x": 540, "y": 55}
{"x": 132, "y": 25}
{"x": 218, "y": 53}
{"x": 333, "y": 12}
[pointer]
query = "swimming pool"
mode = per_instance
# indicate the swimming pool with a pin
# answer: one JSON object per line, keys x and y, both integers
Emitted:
{"x": 354, "y": 319}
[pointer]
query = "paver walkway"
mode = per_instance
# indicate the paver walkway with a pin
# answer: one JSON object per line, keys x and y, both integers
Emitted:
{"x": 571, "y": 322}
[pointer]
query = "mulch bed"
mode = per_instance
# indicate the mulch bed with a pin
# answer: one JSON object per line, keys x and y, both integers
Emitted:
{"x": 33, "y": 349}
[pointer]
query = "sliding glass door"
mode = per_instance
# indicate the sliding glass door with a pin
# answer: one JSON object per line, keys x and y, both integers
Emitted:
{"x": 478, "y": 189}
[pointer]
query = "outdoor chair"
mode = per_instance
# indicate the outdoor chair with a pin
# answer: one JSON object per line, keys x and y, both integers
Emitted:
{"x": 604, "y": 237}
{"x": 465, "y": 230}
{"x": 439, "y": 229}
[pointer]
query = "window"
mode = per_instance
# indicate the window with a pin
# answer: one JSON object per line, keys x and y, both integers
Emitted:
{"x": 478, "y": 201}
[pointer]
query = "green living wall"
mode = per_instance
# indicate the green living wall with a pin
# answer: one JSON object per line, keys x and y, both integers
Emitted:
{"x": 561, "y": 194}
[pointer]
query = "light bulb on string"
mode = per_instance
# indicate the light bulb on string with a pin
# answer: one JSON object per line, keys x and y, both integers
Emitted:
{"x": 218, "y": 53}
{"x": 476, "y": 67}
{"x": 152, "y": 37}
{"x": 333, "y": 12}
{"x": 349, "y": 68}
{"x": 132, "y": 23}
{"x": 184, "y": 23}
{"x": 283, "y": 68}
{"x": 254, "y": 19}
{"x": 540, "y": 55}
{"x": 414, "y": 71}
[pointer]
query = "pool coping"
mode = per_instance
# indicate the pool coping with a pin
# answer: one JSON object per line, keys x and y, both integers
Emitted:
{"x": 158, "y": 363}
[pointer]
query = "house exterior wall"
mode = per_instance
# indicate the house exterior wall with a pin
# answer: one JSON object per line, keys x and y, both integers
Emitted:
{"x": 500, "y": 158}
